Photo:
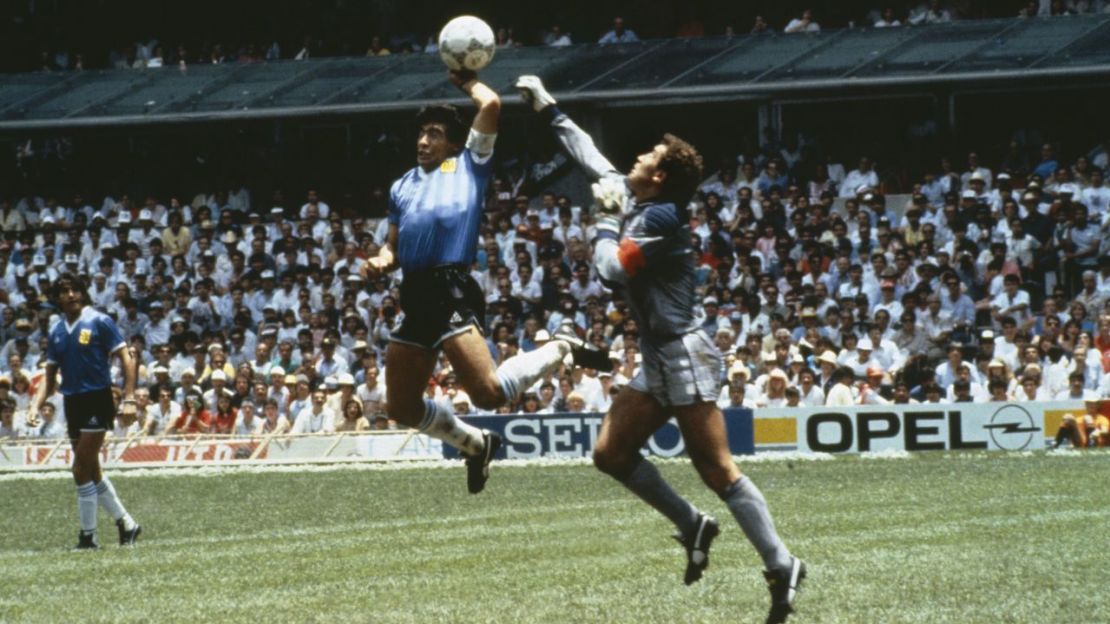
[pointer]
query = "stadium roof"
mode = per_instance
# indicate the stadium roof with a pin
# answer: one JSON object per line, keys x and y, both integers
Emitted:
{"x": 980, "y": 53}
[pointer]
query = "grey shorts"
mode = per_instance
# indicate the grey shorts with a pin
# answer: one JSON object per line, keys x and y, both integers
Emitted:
{"x": 684, "y": 371}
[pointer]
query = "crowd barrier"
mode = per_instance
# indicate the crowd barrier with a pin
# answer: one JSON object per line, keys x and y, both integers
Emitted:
{"x": 984, "y": 426}
{"x": 207, "y": 450}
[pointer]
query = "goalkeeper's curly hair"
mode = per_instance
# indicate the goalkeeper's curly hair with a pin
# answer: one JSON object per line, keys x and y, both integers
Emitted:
{"x": 683, "y": 165}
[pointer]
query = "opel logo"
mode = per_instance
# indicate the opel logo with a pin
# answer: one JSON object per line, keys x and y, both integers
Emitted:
{"x": 1012, "y": 428}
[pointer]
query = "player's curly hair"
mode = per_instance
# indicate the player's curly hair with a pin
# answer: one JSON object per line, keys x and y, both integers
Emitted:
{"x": 683, "y": 165}
{"x": 447, "y": 115}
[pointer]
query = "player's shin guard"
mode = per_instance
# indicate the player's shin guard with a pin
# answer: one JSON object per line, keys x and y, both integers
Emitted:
{"x": 440, "y": 423}
{"x": 646, "y": 482}
{"x": 518, "y": 373}
{"x": 748, "y": 506}
{"x": 86, "y": 506}
{"x": 106, "y": 496}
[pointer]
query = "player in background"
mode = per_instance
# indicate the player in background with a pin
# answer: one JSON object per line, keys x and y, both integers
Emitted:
{"x": 434, "y": 214}
{"x": 81, "y": 346}
{"x": 647, "y": 252}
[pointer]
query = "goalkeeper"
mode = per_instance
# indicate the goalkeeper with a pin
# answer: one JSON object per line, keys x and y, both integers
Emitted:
{"x": 643, "y": 246}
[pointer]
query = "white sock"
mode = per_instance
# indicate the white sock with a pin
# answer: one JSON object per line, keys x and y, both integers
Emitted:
{"x": 519, "y": 372}
{"x": 440, "y": 423}
{"x": 106, "y": 496}
{"x": 86, "y": 506}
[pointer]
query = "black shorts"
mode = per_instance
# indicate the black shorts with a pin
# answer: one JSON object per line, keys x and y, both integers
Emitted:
{"x": 90, "y": 411}
{"x": 439, "y": 303}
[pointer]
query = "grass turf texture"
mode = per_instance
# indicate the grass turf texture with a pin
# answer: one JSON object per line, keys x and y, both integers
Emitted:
{"x": 931, "y": 538}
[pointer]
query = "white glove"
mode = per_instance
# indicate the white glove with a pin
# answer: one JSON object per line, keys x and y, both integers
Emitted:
{"x": 533, "y": 92}
{"x": 610, "y": 194}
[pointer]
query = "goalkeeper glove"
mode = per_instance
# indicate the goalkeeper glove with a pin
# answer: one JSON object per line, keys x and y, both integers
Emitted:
{"x": 533, "y": 92}
{"x": 610, "y": 194}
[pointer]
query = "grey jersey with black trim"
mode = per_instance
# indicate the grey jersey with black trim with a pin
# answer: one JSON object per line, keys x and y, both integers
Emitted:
{"x": 654, "y": 260}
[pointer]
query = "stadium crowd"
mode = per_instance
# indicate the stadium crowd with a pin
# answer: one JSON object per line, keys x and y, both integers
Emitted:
{"x": 983, "y": 284}
{"x": 153, "y": 51}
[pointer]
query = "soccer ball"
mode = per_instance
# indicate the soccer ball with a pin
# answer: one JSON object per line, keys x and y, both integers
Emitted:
{"x": 466, "y": 42}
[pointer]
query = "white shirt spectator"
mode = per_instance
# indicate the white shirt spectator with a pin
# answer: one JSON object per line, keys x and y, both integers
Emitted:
{"x": 802, "y": 24}
{"x": 855, "y": 179}
{"x": 311, "y": 421}
{"x": 1096, "y": 198}
{"x": 564, "y": 234}
{"x": 583, "y": 292}
{"x": 814, "y": 398}
{"x": 840, "y": 395}
{"x": 162, "y": 417}
{"x": 1006, "y": 305}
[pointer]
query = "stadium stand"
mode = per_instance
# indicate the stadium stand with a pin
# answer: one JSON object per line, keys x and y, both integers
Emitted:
{"x": 1018, "y": 51}
{"x": 808, "y": 266}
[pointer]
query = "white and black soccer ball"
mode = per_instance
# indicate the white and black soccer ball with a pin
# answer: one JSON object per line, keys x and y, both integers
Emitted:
{"x": 466, "y": 42}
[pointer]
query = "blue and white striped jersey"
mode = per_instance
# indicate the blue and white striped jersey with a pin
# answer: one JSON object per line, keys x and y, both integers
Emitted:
{"x": 437, "y": 213}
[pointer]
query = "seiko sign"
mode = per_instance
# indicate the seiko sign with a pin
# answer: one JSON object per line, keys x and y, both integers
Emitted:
{"x": 988, "y": 426}
{"x": 529, "y": 436}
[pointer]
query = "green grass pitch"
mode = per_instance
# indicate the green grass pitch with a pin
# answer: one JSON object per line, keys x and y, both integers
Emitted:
{"x": 929, "y": 538}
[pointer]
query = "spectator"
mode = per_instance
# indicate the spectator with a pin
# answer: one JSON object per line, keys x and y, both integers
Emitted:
{"x": 618, "y": 34}
{"x": 841, "y": 394}
{"x": 377, "y": 48}
{"x": 316, "y": 418}
{"x": 932, "y": 13}
{"x": 888, "y": 20}
{"x": 353, "y": 420}
{"x": 8, "y": 430}
{"x": 803, "y": 24}
{"x": 49, "y": 426}
{"x": 860, "y": 179}
{"x": 163, "y": 414}
{"x": 556, "y": 38}
{"x": 194, "y": 418}
{"x": 248, "y": 424}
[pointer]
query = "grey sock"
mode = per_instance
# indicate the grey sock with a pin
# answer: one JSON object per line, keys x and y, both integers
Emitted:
{"x": 748, "y": 506}
{"x": 646, "y": 482}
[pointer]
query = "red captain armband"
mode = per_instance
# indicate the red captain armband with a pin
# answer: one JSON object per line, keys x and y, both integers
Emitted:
{"x": 631, "y": 257}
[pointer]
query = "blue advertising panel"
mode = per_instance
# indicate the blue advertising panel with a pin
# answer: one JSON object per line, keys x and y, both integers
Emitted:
{"x": 529, "y": 436}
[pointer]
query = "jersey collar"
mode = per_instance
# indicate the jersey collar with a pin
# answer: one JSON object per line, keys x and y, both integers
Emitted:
{"x": 84, "y": 312}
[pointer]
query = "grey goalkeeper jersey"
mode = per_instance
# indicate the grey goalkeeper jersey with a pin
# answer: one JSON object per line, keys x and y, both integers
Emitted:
{"x": 652, "y": 259}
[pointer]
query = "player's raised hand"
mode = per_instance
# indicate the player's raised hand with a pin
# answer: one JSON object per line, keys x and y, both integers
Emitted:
{"x": 32, "y": 418}
{"x": 533, "y": 92}
{"x": 460, "y": 77}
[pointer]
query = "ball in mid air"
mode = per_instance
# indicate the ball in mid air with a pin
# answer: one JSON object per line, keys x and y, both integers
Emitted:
{"x": 466, "y": 42}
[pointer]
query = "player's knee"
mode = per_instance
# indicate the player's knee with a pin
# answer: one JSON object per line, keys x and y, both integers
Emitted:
{"x": 715, "y": 475}
{"x": 612, "y": 462}
{"x": 718, "y": 480}
{"x": 487, "y": 395}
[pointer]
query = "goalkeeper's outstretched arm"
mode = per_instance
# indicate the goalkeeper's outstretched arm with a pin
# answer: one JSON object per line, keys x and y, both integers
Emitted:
{"x": 579, "y": 145}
